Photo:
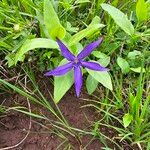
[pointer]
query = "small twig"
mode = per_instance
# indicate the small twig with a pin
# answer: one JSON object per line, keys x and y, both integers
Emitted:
{"x": 3, "y": 101}
{"x": 11, "y": 79}
{"x": 3, "y": 74}
{"x": 121, "y": 49}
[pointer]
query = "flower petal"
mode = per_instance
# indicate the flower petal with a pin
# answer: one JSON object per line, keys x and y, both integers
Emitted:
{"x": 93, "y": 66}
{"x": 77, "y": 80}
{"x": 60, "y": 70}
{"x": 89, "y": 48}
{"x": 64, "y": 50}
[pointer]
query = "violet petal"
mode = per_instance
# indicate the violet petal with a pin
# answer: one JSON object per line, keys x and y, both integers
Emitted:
{"x": 60, "y": 70}
{"x": 77, "y": 80}
{"x": 65, "y": 51}
{"x": 93, "y": 66}
{"x": 89, "y": 48}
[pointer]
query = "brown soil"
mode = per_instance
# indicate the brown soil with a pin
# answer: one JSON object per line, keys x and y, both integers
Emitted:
{"x": 14, "y": 126}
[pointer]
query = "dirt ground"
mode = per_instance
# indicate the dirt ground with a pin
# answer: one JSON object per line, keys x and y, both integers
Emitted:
{"x": 14, "y": 125}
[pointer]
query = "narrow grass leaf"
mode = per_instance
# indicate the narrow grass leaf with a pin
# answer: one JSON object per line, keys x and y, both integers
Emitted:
{"x": 145, "y": 108}
{"x": 5, "y": 45}
{"x": 30, "y": 114}
{"x": 21, "y": 92}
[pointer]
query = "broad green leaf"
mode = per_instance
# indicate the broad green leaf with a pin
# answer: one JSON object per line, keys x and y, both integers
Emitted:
{"x": 148, "y": 7}
{"x": 134, "y": 54}
{"x": 11, "y": 59}
{"x": 99, "y": 54}
{"x": 31, "y": 44}
{"x": 127, "y": 119}
{"x": 71, "y": 29}
{"x": 123, "y": 64}
{"x": 62, "y": 84}
{"x": 141, "y": 10}
{"x": 92, "y": 28}
{"x": 120, "y": 18}
{"x": 91, "y": 84}
{"x": 43, "y": 31}
{"x": 104, "y": 59}
{"x": 67, "y": 5}
{"x": 112, "y": 47}
{"x": 102, "y": 77}
{"x": 52, "y": 22}
{"x": 137, "y": 70}
{"x": 81, "y": 1}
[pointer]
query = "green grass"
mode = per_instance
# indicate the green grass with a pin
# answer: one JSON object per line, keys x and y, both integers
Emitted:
{"x": 125, "y": 109}
{"x": 136, "y": 103}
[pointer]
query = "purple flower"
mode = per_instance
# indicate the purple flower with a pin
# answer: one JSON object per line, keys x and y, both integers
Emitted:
{"x": 76, "y": 63}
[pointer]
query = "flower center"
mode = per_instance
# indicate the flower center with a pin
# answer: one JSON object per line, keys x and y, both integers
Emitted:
{"x": 76, "y": 60}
